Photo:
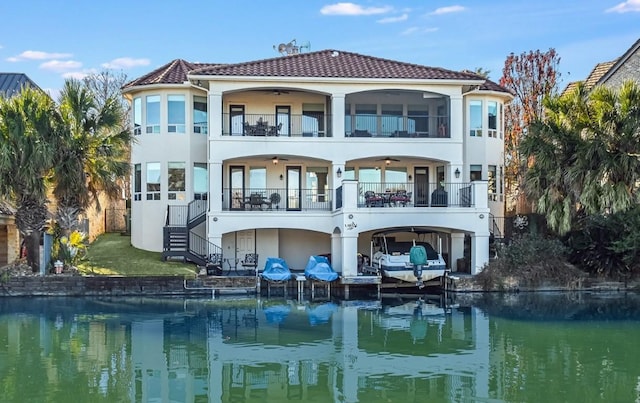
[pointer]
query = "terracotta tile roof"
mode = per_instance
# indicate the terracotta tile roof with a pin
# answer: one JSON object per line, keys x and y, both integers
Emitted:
{"x": 334, "y": 64}
{"x": 570, "y": 87}
{"x": 493, "y": 86}
{"x": 174, "y": 72}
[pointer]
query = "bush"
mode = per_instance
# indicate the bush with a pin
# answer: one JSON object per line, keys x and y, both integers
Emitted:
{"x": 530, "y": 260}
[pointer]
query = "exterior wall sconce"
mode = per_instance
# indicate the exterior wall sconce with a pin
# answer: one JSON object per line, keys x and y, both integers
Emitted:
{"x": 410, "y": 177}
{"x": 339, "y": 172}
{"x": 457, "y": 173}
{"x": 275, "y": 160}
{"x": 281, "y": 177}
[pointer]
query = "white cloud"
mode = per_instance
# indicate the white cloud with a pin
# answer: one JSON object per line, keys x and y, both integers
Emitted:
{"x": 625, "y": 7}
{"x": 353, "y": 9}
{"x": 447, "y": 10}
{"x": 125, "y": 63}
{"x": 75, "y": 74}
{"x": 418, "y": 30}
{"x": 390, "y": 20}
{"x": 38, "y": 55}
{"x": 61, "y": 66}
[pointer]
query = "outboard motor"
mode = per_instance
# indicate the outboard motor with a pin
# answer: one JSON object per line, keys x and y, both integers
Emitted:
{"x": 418, "y": 258}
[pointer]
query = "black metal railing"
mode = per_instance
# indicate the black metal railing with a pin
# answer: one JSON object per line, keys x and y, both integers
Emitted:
{"x": 339, "y": 197}
{"x": 363, "y": 125}
{"x": 276, "y": 199}
{"x": 390, "y": 194}
{"x": 201, "y": 247}
{"x": 177, "y": 216}
{"x": 197, "y": 208}
{"x": 278, "y": 125}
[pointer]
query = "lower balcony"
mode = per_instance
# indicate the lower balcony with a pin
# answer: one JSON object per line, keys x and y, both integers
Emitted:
{"x": 277, "y": 199}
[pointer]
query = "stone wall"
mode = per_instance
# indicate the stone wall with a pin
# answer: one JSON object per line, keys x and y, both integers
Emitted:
{"x": 64, "y": 285}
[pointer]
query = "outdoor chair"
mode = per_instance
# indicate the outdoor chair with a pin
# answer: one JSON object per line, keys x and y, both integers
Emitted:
{"x": 372, "y": 200}
{"x": 214, "y": 264}
{"x": 250, "y": 261}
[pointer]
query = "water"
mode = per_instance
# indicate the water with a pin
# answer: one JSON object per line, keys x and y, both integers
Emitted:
{"x": 526, "y": 348}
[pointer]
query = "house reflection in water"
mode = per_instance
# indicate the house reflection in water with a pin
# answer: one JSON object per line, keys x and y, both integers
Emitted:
{"x": 280, "y": 350}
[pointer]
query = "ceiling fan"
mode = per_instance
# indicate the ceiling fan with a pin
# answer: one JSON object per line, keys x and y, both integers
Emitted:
{"x": 387, "y": 160}
{"x": 275, "y": 159}
{"x": 277, "y": 91}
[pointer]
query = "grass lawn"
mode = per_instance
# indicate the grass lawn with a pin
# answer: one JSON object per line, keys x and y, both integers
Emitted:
{"x": 112, "y": 254}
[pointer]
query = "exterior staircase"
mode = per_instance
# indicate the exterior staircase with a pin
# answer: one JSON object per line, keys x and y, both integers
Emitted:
{"x": 179, "y": 240}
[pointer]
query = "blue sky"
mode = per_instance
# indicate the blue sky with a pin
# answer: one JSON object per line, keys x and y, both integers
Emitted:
{"x": 50, "y": 40}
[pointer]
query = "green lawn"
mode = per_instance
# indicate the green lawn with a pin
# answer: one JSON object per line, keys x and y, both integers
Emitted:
{"x": 112, "y": 254}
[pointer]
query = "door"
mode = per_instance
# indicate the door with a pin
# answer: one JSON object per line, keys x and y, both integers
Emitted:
{"x": 245, "y": 243}
{"x": 236, "y": 185}
{"x": 294, "y": 184}
{"x": 283, "y": 113}
{"x": 236, "y": 120}
{"x": 421, "y": 186}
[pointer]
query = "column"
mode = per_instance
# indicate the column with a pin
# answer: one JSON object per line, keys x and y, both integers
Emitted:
{"x": 337, "y": 111}
{"x": 457, "y": 250}
{"x": 215, "y": 186}
{"x": 350, "y": 254}
{"x": 215, "y": 114}
{"x": 479, "y": 252}
{"x": 457, "y": 117}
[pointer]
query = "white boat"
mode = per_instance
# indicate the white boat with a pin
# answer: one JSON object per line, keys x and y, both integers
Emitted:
{"x": 391, "y": 251}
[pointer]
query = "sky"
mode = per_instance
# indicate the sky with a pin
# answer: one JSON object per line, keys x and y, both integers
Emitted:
{"x": 53, "y": 40}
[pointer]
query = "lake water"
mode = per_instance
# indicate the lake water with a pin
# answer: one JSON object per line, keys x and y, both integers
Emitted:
{"x": 491, "y": 348}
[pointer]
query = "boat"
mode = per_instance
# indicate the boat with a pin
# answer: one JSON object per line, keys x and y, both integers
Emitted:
{"x": 276, "y": 270}
{"x": 318, "y": 268}
{"x": 394, "y": 251}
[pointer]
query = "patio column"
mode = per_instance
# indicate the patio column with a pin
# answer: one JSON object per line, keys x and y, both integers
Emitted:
{"x": 337, "y": 112}
{"x": 215, "y": 186}
{"x": 215, "y": 114}
{"x": 350, "y": 253}
{"x": 457, "y": 118}
{"x": 479, "y": 252}
{"x": 457, "y": 250}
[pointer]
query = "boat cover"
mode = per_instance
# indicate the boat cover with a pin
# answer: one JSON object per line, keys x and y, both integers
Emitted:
{"x": 318, "y": 268}
{"x": 276, "y": 269}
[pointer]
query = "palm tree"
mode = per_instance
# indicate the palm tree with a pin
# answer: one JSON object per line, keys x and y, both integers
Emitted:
{"x": 585, "y": 156}
{"x": 93, "y": 157}
{"x": 28, "y": 133}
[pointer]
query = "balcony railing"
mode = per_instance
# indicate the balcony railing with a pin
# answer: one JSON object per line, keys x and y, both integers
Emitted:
{"x": 410, "y": 194}
{"x": 306, "y": 125}
{"x": 397, "y": 126}
{"x": 276, "y": 199}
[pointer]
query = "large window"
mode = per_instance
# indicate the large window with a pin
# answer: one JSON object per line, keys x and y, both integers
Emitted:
{"x": 200, "y": 118}
{"x": 137, "y": 182}
{"x": 258, "y": 179}
{"x": 492, "y": 119}
{"x": 475, "y": 172}
{"x": 317, "y": 181}
{"x": 366, "y": 120}
{"x": 176, "y": 113}
{"x": 137, "y": 116}
{"x": 153, "y": 114}
{"x": 153, "y": 181}
{"x": 176, "y": 180}
{"x": 475, "y": 118}
{"x": 200, "y": 181}
{"x": 395, "y": 178}
{"x": 313, "y": 120}
{"x": 392, "y": 120}
{"x": 418, "y": 120}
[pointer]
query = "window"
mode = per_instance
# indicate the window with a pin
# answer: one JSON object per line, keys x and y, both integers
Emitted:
{"x": 492, "y": 119}
{"x": 316, "y": 180}
{"x": 176, "y": 115}
{"x": 176, "y": 180}
{"x": 395, "y": 178}
{"x": 200, "y": 181}
{"x": 475, "y": 118}
{"x": 236, "y": 120}
{"x": 257, "y": 179}
{"x": 392, "y": 120}
{"x": 501, "y": 127}
{"x": 200, "y": 119}
{"x": 153, "y": 181}
{"x": 440, "y": 176}
{"x": 137, "y": 116}
{"x": 137, "y": 182}
{"x": 366, "y": 119}
{"x": 349, "y": 173}
{"x": 475, "y": 173}
{"x": 153, "y": 114}
{"x": 313, "y": 120}
{"x": 418, "y": 119}
{"x": 491, "y": 177}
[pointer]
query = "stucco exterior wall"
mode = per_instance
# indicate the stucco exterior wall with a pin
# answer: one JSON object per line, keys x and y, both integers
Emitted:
{"x": 629, "y": 70}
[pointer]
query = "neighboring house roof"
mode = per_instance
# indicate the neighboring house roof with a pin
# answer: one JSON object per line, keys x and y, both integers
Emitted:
{"x": 11, "y": 83}
{"x": 493, "y": 86}
{"x": 324, "y": 63}
{"x": 570, "y": 87}
{"x": 618, "y": 63}
{"x": 597, "y": 73}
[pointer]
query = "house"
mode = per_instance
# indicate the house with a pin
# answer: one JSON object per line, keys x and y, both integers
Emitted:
{"x": 310, "y": 153}
{"x": 10, "y": 84}
{"x": 613, "y": 73}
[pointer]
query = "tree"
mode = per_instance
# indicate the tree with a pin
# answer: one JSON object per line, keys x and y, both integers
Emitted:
{"x": 93, "y": 154}
{"x": 29, "y": 135}
{"x": 531, "y": 77}
{"x": 482, "y": 72}
{"x": 585, "y": 154}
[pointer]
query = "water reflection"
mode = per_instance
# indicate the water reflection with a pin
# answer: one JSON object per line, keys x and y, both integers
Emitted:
{"x": 486, "y": 347}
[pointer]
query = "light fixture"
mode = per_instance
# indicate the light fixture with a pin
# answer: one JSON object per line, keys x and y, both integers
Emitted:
{"x": 281, "y": 177}
{"x": 410, "y": 177}
{"x": 275, "y": 160}
{"x": 457, "y": 173}
{"x": 339, "y": 172}
{"x": 387, "y": 161}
